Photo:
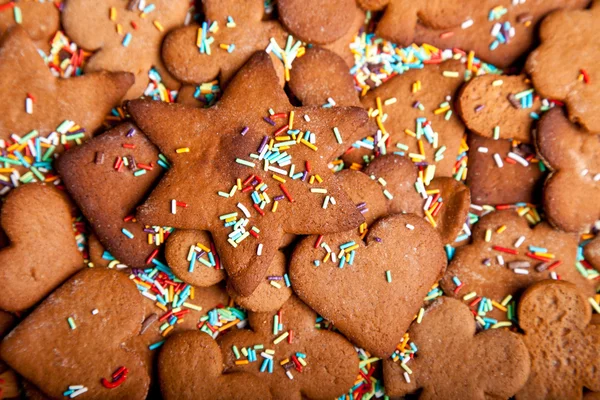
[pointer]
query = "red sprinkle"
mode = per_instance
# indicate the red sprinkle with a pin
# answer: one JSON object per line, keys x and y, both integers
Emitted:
{"x": 536, "y": 257}
{"x": 281, "y": 130}
{"x": 286, "y": 193}
{"x": 7, "y": 6}
{"x": 181, "y": 204}
{"x": 318, "y": 242}
{"x": 505, "y": 250}
{"x": 151, "y": 256}
{"x": 256, "y": 206}
{"x": 554, "y": 265}
{"x": 118, "y": 377}
{"x": 129, "y": 145}
{"x": 586, "y": 76}
{"x": 279, "y": 115}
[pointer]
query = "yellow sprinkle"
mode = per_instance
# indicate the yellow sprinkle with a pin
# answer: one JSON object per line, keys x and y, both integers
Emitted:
{"x": 278, "y": 178}
{"x": 488, "y": 235}
{"x": 192, "y": 306}
{"x": 430, "y": 219}
{"x": 308, "y": 144}
{"x": 501, "y": 229}
{"x": 497, "y": 82}
{"x": 390, "y": 101}
{"x": 416, "y": 156}
{"x": 228, "y": 325}
{"x": 318, "y": 178}
{"x": 284, "y": 361}
{"x": 166, "y": 331}
{"x": 275, "y": 284}
{"x": 421, "y": 148}
{"x": 502, "y": 324}
{"x": 420, "y": 316}
{"x": 349, "y": 249}
{"x": 119, "y": 29}
{"x": 594, "y": 304}
{"x": 498, "y": 306}
{"x": 274, "y": 208}
{"x": 379, "y": 107}
{"x": 183, "y": 150}
{"x": 199, "y": 38}
{"x": 159, "y": 26}
{"x": 291, "y": 121}
{"x": 451, "y": 74}
{"x": 280, "y": 338}
{"x": 469, "y": 296}
{"x": 113, "y": 13}
{"x": 242, "y": 362}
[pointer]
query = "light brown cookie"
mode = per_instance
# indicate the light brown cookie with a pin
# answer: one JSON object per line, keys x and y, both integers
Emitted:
{"x": 573, "y": 157}
{"x": 39, "y": 19}
{"x": 42, "y": 251}
{"x": 383, "y": 280}
{"x": 81, "y": 347}
{"x": 341, "y": 46}
{"x": 329, "y": 363}
{"x": 572, "y": 77}
{"x": 490, "y": 364}
{"x": 215, "y": 145}
{"x": 123, "y": 36}
{"x": 564, "y": 347}
{"x": 592, "y": 252}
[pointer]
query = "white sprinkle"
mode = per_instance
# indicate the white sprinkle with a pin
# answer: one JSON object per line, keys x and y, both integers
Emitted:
{"x": 149, "y": 295}
{"x": 409, "y": 226}
{"x": 585, "y": 172}
{"x": 29, "y": 105}
{"x": 78, "y": 392}
{"x": 467, "y": 24}
{"x": 553, "y": 275}
{"x": 406, "y": 377}
{"x": 76, "y": 387}
{"x": 518, "y": 159}
{"x": 331, "y": 101}
{"x": 482, "y": 149}
{"x": 173, "y": 206}
{"x": 476, "y": 207}
{"x": 275, "y": 284}
{"x": 244, "y": 210}
{"x": 306, "y": 118}
{"x": 95, "y": 311}
{"x": 498, "y": 160}
{"x": 289, "y": 374}
{"x": 519, "y": 241}
{"x": 265, "y": 355}
{"x": 500, "y": 259}
{"x": 596, "y": 177}
{"x": 521, "y": 271}
{"x": 259, "y": 249}
{"x": 496, "y": 29}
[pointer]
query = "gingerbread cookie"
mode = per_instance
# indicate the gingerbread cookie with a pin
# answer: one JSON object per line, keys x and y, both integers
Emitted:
{"x": 572, "y": 156}
{"x": 39, "y": 19}
{"x": 564, "y": 347}
{"x": 384, "y": 280}
{"x": 42, "y": 251}
{"x": 77, "y": 333}
{"x": 499, "y": 32}
{"x": 499, "y": 107}
{"x": 230, "y": 158}
{"x": 125, "y": 35}
{"x": 572, "y": 35}
{"x": 34, "y": 102}
{"x": 341, "y": 46}
{"x": 592, "y": 252}
{"x": 505, "y": 257}
{"x": 232, "y": 32}
{"x": 296, "y": 359}
{"x": 191, "y": 367}
{"x": 503, "y": 172}
{"x": 9, "y": 385}
{"x": 108, "y": 177}
{"x": 490, "y": 364}
{"x": 413, "y": 108}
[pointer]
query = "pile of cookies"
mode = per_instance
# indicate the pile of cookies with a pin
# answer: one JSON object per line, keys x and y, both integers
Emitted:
{"x": 285, "y": 199}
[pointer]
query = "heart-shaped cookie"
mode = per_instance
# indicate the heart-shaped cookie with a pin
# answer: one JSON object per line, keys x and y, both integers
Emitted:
{"x": 75, "y": 338}
{"x": 372, "y": 292}
{"x": 190, "y": 366}
{"x": 42, "y": 251}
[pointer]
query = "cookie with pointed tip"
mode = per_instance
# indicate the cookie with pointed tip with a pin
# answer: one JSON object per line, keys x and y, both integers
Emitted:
{"x": 194, "y": 63}
{"x": 107, "y": 191}
{"x": 514, "y": 257}
{"x": 384, "y": 279}
{"x": 499, "y": 107}
{"x": 248, "y": 199}
{"x": 42, "y": 252}
{"x": 499, "y": 32}
{"x": 570, "y": 35}
{"x": 572, "y": 155}
{"x": 190, "y": 366}
{"x": 86, "y": 100}
{"x": 496, "y": 178}
{"x": 563, "y": 345}
{"x": 64, "y": 336}
{"x": 404, "y": 105}
{"x": 40, "y": 20}
{"x": 123, "y": 36}
{"x": 320, "y": 364}
{"x": 341, "y": 46}
{"x": 592, "y": 252}
{"x": 386, "y": 186}
{"x": 489, "y": 364}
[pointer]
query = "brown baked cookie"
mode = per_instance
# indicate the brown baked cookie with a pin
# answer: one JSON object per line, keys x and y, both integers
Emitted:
{"x": 505, "y": 257}
{"x": 566, "y": 64}
{"x": 387, "y": 186}
{"x": 9, "y": 384}
{"x": 108, "y": 177}
{"x": 383, "y": 280}
{"x": 453, "y": 361}
{"x": 42, "y": 251}
{"x": 125, "y": 35}
{"x": 499, "y": 107}
{"x": 571, "y": 190}
{"x": 564, "y": 347}
{"x": 341, "y": 46}
{"x": 74, "y": 339}
{"x": 496, "y": 177}
{"x": 190, "y": 366}
{"x": 297, "y": 360}
{"x": 233, "y": 30}
{"x": 39, "y": 19}
{"x": 96, "y": 252}
{"x": 592, "y": 252}
{"x": 315, "y": 21}
{"x": 499, "y": 32}
{"x": 414, "y": 107}
{"x": 85, "y": 100}
{"x": 225, "y": 147}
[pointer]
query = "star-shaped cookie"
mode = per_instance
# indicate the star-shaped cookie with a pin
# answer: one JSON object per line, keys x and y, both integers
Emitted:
{"x": 248, "y": 175}
{"x": 84, "y": 100}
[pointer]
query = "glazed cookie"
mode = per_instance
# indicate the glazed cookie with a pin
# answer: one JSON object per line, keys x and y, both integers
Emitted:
{"x": 503, "y": 172}
{"x": 499, "y": 107}
{"x": 233, "y": 30}
{"x": 190, "y": 366}
{"x": 125, "y": 35}
{"x": 77, "y": 333}
{"x": 39, "y": 19}
{"x": 574, "y": 184}
{"x": 297, "y": 360}
{"x": 384, "y": 280}
{"x": 570, "y": 35}
{"x": 505, "y": 257}
{"x": 34, "y": 100}
{"x": 416, "y": 106}
{"x": 499, "y": 32}
{"x": 108, "y": 177}
{"x": 564, "y": 347}
{"x": 229, "y": 147}
{"x": 42, "y": 251}
{"x": 490, "y": 364}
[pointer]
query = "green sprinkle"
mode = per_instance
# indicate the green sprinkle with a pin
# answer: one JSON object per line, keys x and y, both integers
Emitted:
{"x": 18, "y": 15}
{"x": 71, "y": 322}
{"x": 139, "y": 172}
{"x": 338, "y": 136}
{"x": 244, "y": 162}
{"x": 388, "y": 276}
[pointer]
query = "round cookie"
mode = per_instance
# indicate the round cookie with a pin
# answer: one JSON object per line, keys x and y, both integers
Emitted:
{"x": 40, "y": 20}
